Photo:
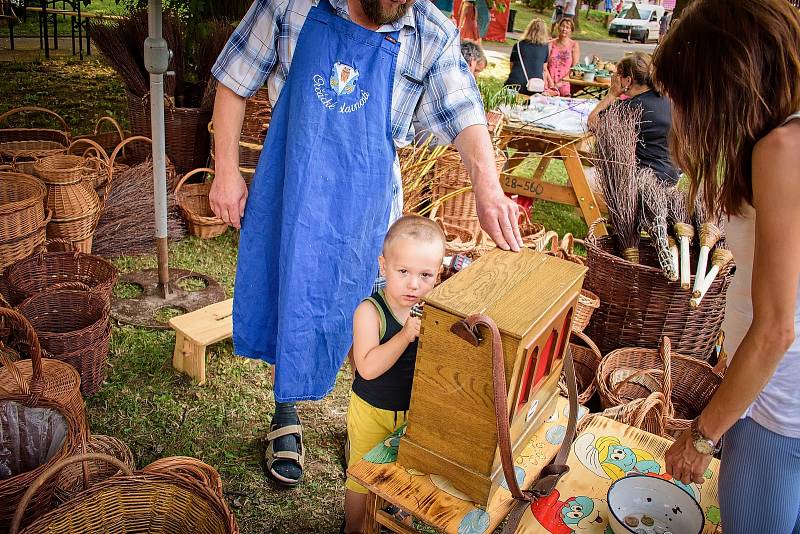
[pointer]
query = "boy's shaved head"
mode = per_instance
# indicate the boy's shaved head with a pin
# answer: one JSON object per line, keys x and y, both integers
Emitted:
{"x": 414, "y": 227}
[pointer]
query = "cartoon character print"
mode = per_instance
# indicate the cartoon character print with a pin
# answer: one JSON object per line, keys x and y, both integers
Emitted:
{"x": 343, "y": 79}
{"x": 608, "y": 458}
{"x": 574, "y": 515}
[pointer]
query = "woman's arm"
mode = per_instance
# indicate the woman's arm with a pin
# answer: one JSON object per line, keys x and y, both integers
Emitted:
{"x": 576, "y": 53}
{"x": 611, "y": 96}
{"x": 370, "y": 357}
{"x": 776, "y": 272}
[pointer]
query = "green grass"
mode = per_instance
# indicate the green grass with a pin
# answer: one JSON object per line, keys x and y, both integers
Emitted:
{"x": 156, "y": 410}
{"x": 591, "y": 29}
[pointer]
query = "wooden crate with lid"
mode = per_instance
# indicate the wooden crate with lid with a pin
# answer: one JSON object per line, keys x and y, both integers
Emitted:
{"x": 451, "y": 422}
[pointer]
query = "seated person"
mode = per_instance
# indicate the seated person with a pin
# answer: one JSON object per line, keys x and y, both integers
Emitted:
{"x": 632, "y": 80}
{"x": 474, "y": 56}
{"x": 385, "y": 345}
{"x": 529, "y": 57}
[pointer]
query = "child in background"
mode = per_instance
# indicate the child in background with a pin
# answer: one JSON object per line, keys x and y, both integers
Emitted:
{"x": 385, "y": 345}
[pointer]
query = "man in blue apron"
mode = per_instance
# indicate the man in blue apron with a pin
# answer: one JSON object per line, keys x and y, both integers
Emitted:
{"x": 346, "y": 78}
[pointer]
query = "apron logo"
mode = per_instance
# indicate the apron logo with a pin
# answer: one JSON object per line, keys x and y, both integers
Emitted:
{"x": 338, "y": 91}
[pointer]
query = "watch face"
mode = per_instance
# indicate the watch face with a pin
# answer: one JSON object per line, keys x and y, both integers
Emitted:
{"x": 703, "y": 446}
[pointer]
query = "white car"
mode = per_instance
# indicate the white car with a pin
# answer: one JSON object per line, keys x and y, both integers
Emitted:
{"x": 637, "y": 22}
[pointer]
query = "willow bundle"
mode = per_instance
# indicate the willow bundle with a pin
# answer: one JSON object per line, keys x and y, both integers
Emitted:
{"x": 416, "y": 165}
{"x": 127, "y": 225}
{"x": 615, "y": 152}
{"x": 655, "y": 207}
{"x": 208, "y": 48}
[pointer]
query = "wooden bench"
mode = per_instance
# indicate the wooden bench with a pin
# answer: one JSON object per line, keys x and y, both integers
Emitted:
{"x": 195, "y": 331}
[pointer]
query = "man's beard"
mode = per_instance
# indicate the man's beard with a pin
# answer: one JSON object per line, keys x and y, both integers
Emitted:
{"x": 375, "y": 12}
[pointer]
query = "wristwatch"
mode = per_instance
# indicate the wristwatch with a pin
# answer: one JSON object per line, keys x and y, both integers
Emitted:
{"x": 702, "y": 444}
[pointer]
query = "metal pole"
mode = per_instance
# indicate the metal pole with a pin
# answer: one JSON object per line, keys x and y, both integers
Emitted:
{"x": 156, "y": 59}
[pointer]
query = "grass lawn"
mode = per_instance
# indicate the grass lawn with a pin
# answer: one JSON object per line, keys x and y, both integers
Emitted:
{"x": 592, "y": 28}
{"x": 156, "y": 411}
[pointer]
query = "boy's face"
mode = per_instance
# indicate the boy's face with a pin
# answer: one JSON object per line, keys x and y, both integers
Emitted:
{"x": 410, "y": 268}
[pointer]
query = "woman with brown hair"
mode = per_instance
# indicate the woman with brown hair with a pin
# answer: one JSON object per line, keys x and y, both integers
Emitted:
{"x": 732, "y": 71}
{"x": 564, "y": 54}
{"x": 632, "y": 80}
{"x": 529, "y": 57}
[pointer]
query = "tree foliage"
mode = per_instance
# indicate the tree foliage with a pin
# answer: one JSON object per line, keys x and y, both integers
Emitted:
{"x": 199, "y": 9}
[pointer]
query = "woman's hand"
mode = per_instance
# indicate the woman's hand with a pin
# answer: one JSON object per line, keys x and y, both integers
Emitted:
{"x": 684, "y": 463}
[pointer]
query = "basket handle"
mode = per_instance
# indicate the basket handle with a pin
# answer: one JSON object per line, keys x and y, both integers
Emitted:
{"x": 568, "y": 243}
{"x": 6, "y": 362}
{"x": 189, "y": 175}
{"x": 597, "y": 222}
{"x": 34, "y": 109}
{"x": 188, "y": 467}
{"x": 48, "y": 473}
{"x": 37, "y": 382}
{"x": 550, "y": 237}
{"x": 665, "y": 352}
{"x": 101, "y": 153}
{"x": 113, "y": 122}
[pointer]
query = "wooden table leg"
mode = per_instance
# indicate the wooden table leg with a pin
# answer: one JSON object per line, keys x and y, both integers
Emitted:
{"x": 371, "y": 525}
{"x": 586, "y": 201}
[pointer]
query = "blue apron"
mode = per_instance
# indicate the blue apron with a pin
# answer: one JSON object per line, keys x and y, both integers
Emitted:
{"x": 319, "y": 205}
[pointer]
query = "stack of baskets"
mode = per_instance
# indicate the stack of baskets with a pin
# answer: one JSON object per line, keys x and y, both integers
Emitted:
{"x": 22, "y": 147}
{"x": 76, "y": 208}
{"x": 22, "y": 216}
{"x": 73, "y": 326}
{"x": 193, "y": 202}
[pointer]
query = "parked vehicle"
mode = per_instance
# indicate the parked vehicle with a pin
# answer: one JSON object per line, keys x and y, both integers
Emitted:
{"x": 637, "y": 22}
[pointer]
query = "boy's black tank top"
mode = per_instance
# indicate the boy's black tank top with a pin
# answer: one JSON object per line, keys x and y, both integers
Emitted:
{"x": 391, "y": 390}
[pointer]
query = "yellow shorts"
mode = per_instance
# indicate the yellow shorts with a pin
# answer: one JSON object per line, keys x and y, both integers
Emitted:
{"x": 366, "y": 427}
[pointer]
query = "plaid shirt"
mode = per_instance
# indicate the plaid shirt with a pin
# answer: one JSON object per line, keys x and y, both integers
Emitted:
{"x": 432, "y": 85}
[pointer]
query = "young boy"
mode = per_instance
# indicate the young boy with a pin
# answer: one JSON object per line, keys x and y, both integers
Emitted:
{"x": 385, "y": 345}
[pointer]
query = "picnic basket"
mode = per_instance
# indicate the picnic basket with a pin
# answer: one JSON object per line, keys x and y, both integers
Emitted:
{"x": 22, "y": 147}
{"x": 169, "y": 500}
{"x": 38, "y": 432}
{"x": 639, "y": 376}
{"x": 40, "y": 271}
{"x": 72, "y": 479}
{"x": 639, "y": 305}
{"x": 193, "y": 202}
{"x": 80, "y": 337}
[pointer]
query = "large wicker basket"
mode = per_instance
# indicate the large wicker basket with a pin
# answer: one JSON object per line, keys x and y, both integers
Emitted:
{"x": 18, "y": 424}
{"x": 22, "y": 147}
{"x": 75, "y": 478}
{"x": 80, "y": 337}
{"x": 158, "y": 501}
{"x": 187, "y": 140}
{"x": 12, "y": 250}
{"x": 639, "y": 306}
{"x": 21, "y": 204}
{"x": 193, "y": 202}
{"x": 685, "y": 384}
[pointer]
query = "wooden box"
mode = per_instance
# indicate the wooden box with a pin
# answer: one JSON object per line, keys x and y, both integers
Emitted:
{"x": 451, "y": 423}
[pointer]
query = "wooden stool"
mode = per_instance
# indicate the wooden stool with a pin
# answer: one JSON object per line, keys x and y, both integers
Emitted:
{"x": 195, "y": 331}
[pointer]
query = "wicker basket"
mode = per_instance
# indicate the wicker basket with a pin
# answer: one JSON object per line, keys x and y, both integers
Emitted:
{"x": 107, "y": 140}
{"x": 249, "y": 153}
{"x": 22, "y": 147}
{"x": 13, "y": 250}
{"x": 638, "y": 305}
{"x": 588, "y": 302}
{"x": 124, "y": 157}
{"x": 567, "y": 247}
{"x": 686, "y": 384}
{"x": 586, "y": 357}
{"x": 193, "y": 202}
{"x": 153, "y": 501}
{"x": 80, "y": 337}
{"x": 25, "y": 467}
{"x": 40, "y": 271}
{"x": 21, "y": 204}
{"x": 187, "y": 140}
{"x": 72, "y": 479}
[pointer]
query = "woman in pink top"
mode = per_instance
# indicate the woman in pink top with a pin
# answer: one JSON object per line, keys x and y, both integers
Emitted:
{"x": 564, "y": 54}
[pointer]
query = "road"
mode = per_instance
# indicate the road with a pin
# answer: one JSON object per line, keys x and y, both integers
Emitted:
{"x": 606, "y": 50}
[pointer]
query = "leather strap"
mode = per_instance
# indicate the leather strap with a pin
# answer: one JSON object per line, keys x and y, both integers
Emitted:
{"x": 552, "y": 473}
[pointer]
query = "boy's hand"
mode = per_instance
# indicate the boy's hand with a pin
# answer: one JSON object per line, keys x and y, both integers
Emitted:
{"x": 411, "y": 329}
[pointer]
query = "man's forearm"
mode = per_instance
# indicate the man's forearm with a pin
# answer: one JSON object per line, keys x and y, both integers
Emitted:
{"x": 228, "y": 118}
{"x": 477, "y": 153}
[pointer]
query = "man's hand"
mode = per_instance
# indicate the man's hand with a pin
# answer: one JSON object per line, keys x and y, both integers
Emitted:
{"x": 227, "y": 197}
{"x": 499, "y": 217}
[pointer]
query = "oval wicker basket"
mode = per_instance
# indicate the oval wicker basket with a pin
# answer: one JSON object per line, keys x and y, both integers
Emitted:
{"x": 21, "y": 204}
{"x": 685, "y": 384}
{"x": 41, "y": 271}
{"x": 22, "y": 147}
{"x": 193, "y": 202}
{"x": 72, "y": 479}
{"x": 638, "y": 305}
{"x": 153, "y": 501}
{"x": 586, "y": 357}
{"x": 73, "y": 326}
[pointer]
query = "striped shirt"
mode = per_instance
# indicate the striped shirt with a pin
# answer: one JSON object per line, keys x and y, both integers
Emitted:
{"x": 433, "y": 88}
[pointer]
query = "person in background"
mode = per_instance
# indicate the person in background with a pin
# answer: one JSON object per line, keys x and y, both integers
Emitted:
{"x": 468, "y": 22}
{"x": 558, "y": 12}
{"x": 529, "y": 57}
{"x": 633, "y": 80}
{"x": 473, "y": 54}
{"x": 736, "y": 133}
{"x": 663, "y": 25}
{"x": 564, "y": 54}
{"x": 570, "y": 7}
{"x": 609, "y": 6}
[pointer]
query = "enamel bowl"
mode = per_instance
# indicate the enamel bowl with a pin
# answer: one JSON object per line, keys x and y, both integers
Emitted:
{"x": 667, "y": 507}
